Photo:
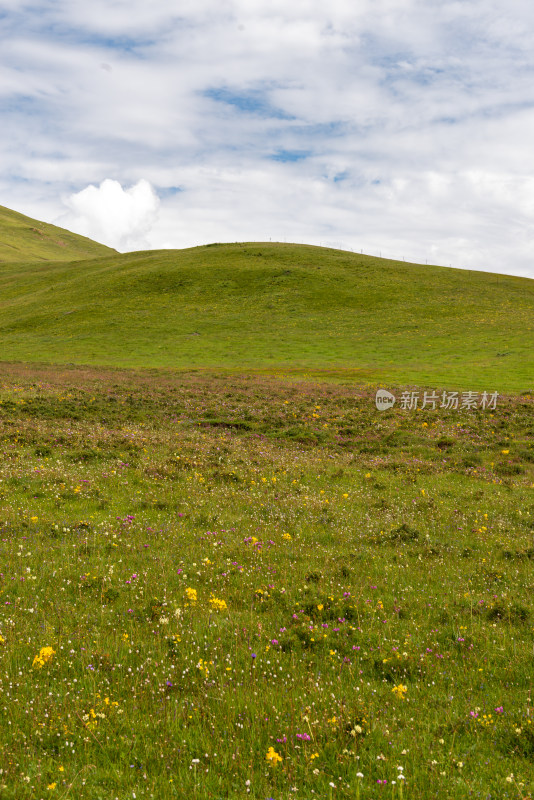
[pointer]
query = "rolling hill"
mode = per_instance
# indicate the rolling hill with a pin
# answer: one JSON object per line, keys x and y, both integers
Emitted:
{"x": 26, "y": 239}
{"x": 283, "y": 308}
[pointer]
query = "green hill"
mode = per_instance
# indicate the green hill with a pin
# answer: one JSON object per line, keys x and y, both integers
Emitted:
{"x": 276, "y": 307}
{"x": 25, "y": 239}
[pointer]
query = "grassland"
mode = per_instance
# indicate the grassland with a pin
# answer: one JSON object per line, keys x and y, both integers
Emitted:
{"x": 230, "y": 587}
{"x": 224, "y": 573}
{"x": 25, "y": 239}
{"x": 274, "y": 308}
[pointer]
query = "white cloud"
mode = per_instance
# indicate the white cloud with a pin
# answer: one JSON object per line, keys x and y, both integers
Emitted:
{"x": 410, "y": 123}
{"x": 120, "y": 218}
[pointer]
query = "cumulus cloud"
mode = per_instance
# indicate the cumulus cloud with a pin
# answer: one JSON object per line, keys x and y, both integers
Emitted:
{"x": 120, "y": 218}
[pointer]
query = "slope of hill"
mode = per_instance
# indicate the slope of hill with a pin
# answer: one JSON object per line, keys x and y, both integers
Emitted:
{"x": 25, "y": 239}
{"x": 277, "y": 307}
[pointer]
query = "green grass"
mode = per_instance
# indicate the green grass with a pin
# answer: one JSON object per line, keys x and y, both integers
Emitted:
{"x": 279, "y": 308}
{"x": 26, "y": 239}
{"x": 375, "y": 568}
{"x": 218, "y": 582}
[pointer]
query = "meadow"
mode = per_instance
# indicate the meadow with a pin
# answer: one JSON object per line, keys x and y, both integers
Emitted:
{"x": 219, "y": 585}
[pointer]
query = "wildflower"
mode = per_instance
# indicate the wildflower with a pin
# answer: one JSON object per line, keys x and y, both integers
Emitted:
{"x": 400, "y": 691}
{"x": 45, "y": 655}
{"x": 203, "y": 666}
{"x": 273, "y": 757}
{"x": 191, "y": 595}
{"x": 217, "y": 604}
{"x": 52, "y": 786}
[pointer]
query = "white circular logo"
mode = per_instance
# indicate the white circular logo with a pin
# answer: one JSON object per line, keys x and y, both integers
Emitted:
{"x": 384, "y": 400}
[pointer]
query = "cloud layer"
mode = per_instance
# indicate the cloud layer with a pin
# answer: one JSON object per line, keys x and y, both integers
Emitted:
{"x": 395, "y": 126}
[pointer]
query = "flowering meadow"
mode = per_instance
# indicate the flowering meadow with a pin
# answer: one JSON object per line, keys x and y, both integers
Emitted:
{"x": 218, "y": 586}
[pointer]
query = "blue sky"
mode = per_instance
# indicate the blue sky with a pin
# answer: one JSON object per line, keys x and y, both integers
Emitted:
{"x": 399, "y": 127}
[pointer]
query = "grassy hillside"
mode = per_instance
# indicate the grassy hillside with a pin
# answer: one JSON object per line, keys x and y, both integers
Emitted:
{"x": 276, "y": 307}
{"x": 25, "y": 239}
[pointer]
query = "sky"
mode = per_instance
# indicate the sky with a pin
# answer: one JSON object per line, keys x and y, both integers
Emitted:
{"x": 400, "y": 128}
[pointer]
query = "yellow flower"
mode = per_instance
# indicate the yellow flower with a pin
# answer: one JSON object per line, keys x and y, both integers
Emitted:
{"x": 273, "y": 757}
{"x": 320, "y": 607}
{"x": 203, "y": 666}
{"x": 43, "y": 658}
{"x": 287, "y": 536}
{"x": 400, "y": 691}
{"x": 191, "y": 594}
{"x": 218, "y": 605}
{"x": 51, "y": 786}
{"x": 2, "y": 640}
{"x": 505, "y": 452}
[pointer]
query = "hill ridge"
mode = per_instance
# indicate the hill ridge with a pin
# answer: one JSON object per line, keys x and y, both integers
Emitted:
{"x": 263, "y": 306}
{"x": 23, "y": 238}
